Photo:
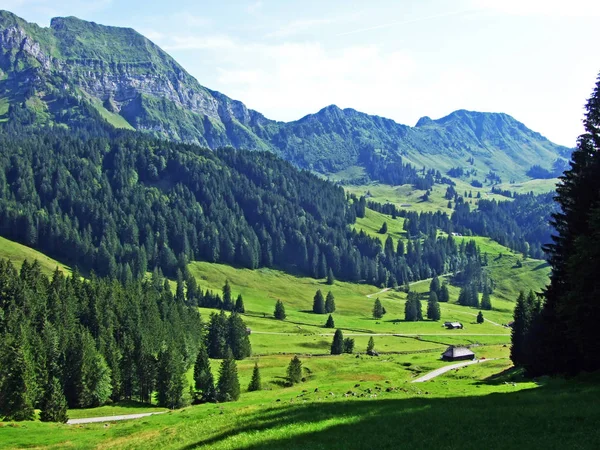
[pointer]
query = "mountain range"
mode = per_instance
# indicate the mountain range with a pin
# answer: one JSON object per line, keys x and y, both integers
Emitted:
{"x": 62, "y": 73}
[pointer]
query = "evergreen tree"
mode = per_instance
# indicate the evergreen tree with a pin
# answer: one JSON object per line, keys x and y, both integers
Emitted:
{"x": 294, "y": 370}
{"x": 15, "y": 391}
{"x": 237, "y": 337}
{"x": 371, "y": 345}
{"x": 203, "y": 378}
{"x": 377, "y": 309}
{"x": 330, "y": 303}
{"x": 348, "y": 345}
{"x": 330, "y": 278}
{"x": 330, "y": 323}
{"x": 433, "y": 307}
{"x": 384, "y": 228}
{"x": 255, "y": 384}
{"x": 319, "y": 303}
{"x": 434, "y": 286}
{"x": 228, "y": 386}
{"x": 444, "y": 296}
{"x": 412, "y": 308}
{"x": 227, "y": 299}
{"x": 279, "y": 313}
{"x": 521, "y": 324}
{"x": 170, "y": 379}
{"x": 54, "y": 404}
{"x": 337, "y": 346}
{"x": 239, "y": 305}
{"x": 216, "y": 339}
{"x": 480, "y": 318}
{"x": 486, "y": 302}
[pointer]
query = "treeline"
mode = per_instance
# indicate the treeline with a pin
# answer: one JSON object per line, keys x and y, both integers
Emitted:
{"x": 67, "y": 341}
{"x": 561, "y": 336}
{"x": 521, "y": 225}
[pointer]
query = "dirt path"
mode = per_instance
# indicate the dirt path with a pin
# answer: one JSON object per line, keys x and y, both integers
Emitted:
{"x": 441, "y": 370}
{"x": 377, "y": 293}
{"x": 111, "y": 418}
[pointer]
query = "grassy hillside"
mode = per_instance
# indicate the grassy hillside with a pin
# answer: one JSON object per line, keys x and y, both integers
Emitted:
{"x": 17, "y": 253}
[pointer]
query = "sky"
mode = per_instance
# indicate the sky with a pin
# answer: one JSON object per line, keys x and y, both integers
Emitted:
{"x": 536, "y": 60}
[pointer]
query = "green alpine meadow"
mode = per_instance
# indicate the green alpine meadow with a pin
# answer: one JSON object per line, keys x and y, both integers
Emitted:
{"x": 180, "y": 271}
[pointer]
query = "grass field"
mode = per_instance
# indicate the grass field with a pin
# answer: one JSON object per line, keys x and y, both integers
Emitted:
{"x": 349, "y": 401}
{"x": 17, "y": 253}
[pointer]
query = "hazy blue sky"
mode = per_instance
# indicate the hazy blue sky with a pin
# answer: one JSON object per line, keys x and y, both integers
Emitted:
{"x": 536, "y": 60}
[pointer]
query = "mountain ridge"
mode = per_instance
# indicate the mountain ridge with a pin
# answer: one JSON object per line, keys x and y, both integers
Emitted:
{"x": 131, "y": 80}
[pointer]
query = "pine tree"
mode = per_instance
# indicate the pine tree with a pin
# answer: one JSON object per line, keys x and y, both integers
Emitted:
{"x": 228, "y": 386}
{"x": 433, "y": 307}
{"x": 337, "y": 346}
{"x": 480, "y": 318}
{"x": 15, "y": 395}
{"x": 216, "y": 339}
{"x": 227, "y": 299}
{"x": 203, "y": 378}
{"x": 330, "y": 278}
{"x": 170, "y": 379}
{"x": 319, "y": 303}
{"x": 330, "y": 303}
{"x": 371, "y": 345}
{"x": 237, "y": 337}
{"x": 239, "y": 305}
{"x": 330, "y": 323}
{"x": 348, "y": 345}
{"x": 444, "y": 296}
{"x": 486, "y": 302}
{"x": 434, "y": 286}
{"x": 294, "y": 370}
{"x": 54, "y": 403}
{"x": 377, "y": 309}
{"x": 384, "y": 228}
{"x": 279, "y": 313}
{"x": 255, "y": 384}
{"x": 521, "y": 323}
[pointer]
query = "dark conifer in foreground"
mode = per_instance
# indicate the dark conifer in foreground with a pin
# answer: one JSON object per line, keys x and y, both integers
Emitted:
{"x": 520, "y": 328}
{"x": 486, "y": 302}
{"x": 330, "y": 303}
{"x": 216, "y": 339}
{"x": 255, "y": 384}
{"x": 444, "y": 296}
{"x": 413, "y": 311}
{"x": 294, "y": 370}
{"x": 377, "y": 309}
{"x": 170, "y": 379}
{"x": 228, "y": 386}
{"x": 237, "y": 337}
{"x": 203, "y": 378}
{"x": 54, "y": 404}
{"x": 318, "y": 303}
{"x": 384, "y": 228}
{"x": 15, "y": 386}
{"x": 337, "y": 346}
{"x": 348, "y": 345}
{"x": 330, "y": 277}
{"x": 279, "y": 313}
{"x": 227, "y": 299}
{"x": 330, "y": 323}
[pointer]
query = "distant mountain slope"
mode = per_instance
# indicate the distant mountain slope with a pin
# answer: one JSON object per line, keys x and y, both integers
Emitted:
{"x": 61, "y": 73}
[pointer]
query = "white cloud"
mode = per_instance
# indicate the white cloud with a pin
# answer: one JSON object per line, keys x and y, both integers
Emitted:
{"x": 554, "y": 8}
{"x": 298, "y": 27}
{"x": 254, "y": 7}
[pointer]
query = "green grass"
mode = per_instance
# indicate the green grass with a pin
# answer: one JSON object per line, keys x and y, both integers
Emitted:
{"x": 124, "y": 407}
{"x": 114, "y": 119}
{"x": 17, "y": 253}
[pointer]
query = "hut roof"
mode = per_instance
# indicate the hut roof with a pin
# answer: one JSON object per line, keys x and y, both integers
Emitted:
{"x": 457, "y": 352}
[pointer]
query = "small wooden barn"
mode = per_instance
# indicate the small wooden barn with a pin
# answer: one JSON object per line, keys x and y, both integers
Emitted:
{"x": 458, "y": 354}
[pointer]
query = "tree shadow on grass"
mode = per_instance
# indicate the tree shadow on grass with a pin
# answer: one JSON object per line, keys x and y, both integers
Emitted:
{"x": 547, "y": 418}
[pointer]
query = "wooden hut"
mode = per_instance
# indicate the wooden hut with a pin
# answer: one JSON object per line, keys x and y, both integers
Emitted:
{"x": 458, "y": 354}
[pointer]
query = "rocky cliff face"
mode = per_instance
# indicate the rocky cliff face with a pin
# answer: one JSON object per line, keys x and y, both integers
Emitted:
{"x": 131, "y": 81}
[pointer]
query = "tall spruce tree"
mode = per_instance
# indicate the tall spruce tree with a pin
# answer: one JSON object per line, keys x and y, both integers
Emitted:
{"x": 227, "y": 299}
{"x": 279, "y": 313}
{"x": 371, "y": 345}
{"x": 444, "y": 296}
{"x": 330, "y": 277}
{"x": 228, "y": 386}
{"x": 170, "y": 384}
{"x": 15, "y": 391}
{"x": 294, "y": 370}
{"x": 255, "y": 384}
{"x": 433, "y": 307}
{"x": 238, "y": 338}
{"x": 434, "y": 286}
{"x": 330, "y": 323}
{"x": 337, "y": 346}
{"x": 330, "y": 303}
{"x": 216, "y": 339}
{"x": 239, "y": 305}
{"x": 377, "y": 309}
{"x": 319, "y": 303}
{"x": 520, "y": 328}
{"x": 486, "y": 302}
{"x": 203, "y": 378}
